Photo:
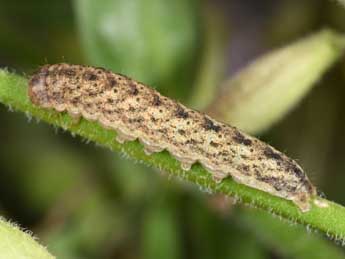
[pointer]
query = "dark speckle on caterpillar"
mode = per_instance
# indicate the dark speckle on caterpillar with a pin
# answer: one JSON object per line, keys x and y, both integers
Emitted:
{"x": 136, "y": 111}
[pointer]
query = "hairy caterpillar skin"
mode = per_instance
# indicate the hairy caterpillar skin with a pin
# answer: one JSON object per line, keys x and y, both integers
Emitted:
{"x": 136, "y": 111}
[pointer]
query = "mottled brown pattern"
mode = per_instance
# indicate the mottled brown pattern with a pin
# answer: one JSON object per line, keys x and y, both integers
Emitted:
{"x": 136, "y": 111}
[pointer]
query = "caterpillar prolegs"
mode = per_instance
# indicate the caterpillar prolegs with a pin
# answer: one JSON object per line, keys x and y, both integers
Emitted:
{"x": 136, "y": 111}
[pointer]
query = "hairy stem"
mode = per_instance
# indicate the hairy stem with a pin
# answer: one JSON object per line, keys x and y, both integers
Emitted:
{"x": 276, "y": 234}
{"x": 330, "y": 220}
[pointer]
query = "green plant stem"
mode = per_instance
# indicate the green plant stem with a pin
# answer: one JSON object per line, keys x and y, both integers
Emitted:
{"x": 330, "y": 220}
{"x": 276, "y": 234}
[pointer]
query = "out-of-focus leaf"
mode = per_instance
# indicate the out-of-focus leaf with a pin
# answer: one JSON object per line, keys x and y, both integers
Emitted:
{"x": 45, "y": 171}
{"x": 90, "y": 225}
{"x": 214, "y": 236}
{"x": 160, "y": 233}
{"x": 342, "y": 2}
{"x": 151, "y": 40}
{"x": 46, "y": 27}
{"x": 133, "y": 180}
{"x": 261, "y": 94}
{"x": 212, "y": 67}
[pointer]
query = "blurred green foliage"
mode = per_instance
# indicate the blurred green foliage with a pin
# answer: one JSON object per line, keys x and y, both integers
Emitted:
{"x": 85, "y": 202}
{"x": 153, "y": 41}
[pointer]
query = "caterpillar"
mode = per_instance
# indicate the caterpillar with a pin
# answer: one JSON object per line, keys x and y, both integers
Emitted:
{"x": 136, "y": 111}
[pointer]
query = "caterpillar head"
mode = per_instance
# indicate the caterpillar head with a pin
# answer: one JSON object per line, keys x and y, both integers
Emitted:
{"x": 37, "y": 87}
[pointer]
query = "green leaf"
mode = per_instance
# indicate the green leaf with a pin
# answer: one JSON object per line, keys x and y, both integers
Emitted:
{"x": 150, "y": 40}
{"x": 263, "y": 92}
{"x": 16, "y": 244}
